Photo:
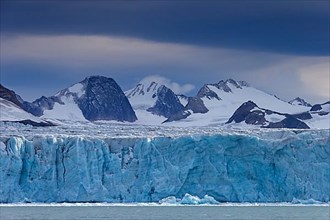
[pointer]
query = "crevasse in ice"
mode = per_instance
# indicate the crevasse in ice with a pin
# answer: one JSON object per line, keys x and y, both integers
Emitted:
{"x": 276, "y": 167}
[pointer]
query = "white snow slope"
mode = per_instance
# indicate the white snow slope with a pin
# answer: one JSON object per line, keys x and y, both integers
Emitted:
{"x": 11, "y": 112}
{"x": 142, "y": 97}
{"x": 69, "y": 110}
{"x": 221, "y": 110}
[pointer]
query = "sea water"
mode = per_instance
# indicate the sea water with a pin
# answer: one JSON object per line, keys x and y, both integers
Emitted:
{"x": 158, "y": 212}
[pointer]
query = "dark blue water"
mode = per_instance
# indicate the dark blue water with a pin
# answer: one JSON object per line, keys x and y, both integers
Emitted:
{"x": 164, "y": 212}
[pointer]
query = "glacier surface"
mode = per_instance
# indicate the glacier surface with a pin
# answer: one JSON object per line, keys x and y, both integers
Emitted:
{"x": 264, "y": 166}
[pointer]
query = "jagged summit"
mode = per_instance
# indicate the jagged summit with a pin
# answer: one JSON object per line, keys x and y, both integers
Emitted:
{"x": 154, "y": 101}
{"x": 223, "y": 85}
{"x": 94, "y": 98}
{"x": 167, "y": 103}
{"x": 300, "y": 101}
{"x": 226, "y": 85}
{"x": 103, "y": 99}
{"x": 143, "y": 95}
{"x": 141, "y": 89}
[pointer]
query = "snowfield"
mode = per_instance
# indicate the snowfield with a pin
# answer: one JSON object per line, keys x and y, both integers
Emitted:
{"x": 103, "y": 162}
{"x": 11, "y": 112}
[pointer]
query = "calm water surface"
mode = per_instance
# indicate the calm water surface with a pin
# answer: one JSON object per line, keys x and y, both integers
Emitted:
{"x": 164, "y": 212}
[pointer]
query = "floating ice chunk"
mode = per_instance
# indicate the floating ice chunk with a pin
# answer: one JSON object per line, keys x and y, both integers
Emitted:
{"x": 169, "y": 200}
{"x": 305, "y": 202}
{"x": 189, "y": 200}
{"x": 209, "y": 200}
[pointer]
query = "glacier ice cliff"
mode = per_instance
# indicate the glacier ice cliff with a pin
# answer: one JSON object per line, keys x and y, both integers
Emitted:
{"x": 275, "y": 166}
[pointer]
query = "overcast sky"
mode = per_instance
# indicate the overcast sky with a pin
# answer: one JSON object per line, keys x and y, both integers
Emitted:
{"x": 279, "y": 46}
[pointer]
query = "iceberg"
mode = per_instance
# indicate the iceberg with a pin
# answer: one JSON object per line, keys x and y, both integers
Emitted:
{"x": 189, "y": 200}
{"x": 272, "y": 166}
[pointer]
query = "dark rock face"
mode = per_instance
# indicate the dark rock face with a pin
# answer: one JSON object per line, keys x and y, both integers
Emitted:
{"x": 104, "y": 100}
{"x": 288, "y": 122}
{"x": 196, "y": 104}
{"x": 303, "y": 116}
{"x": 250, "y": 113}
{"x": 10, "y": 95}
{"x": 223, "y": 86}
{"x": 167, "y": 103}
{"x": 33, "y": 123}
{"x": 205, "y": 91}
{"x": 323, "y": 113}
{"x": 256, "y": 117}
{"x": 319, "y": 107}
{"x": 316, "y": 107}
{"x": 36, "y": 124}
{"x": 178, "y": 116}
{"x": 38, "y": 106}
{"x": 243, "y": 112}
{"x": 300, "y": 101}
{"x": 47, "y": 102}
{"x": 32, "y": 108}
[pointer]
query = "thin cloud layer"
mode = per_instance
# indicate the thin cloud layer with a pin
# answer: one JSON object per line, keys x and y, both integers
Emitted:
{"x": 287, "y": 27}
{"x": 174, "y": 86}
{"x": 130, "y": 59}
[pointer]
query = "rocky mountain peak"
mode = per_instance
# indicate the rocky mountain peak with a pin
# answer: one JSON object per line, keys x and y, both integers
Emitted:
{"x": 223, "y": 85}
{"x": 300, "y": 101}
{"x": 94, "y": 98}
{"x": 103, "y": 99}
{"x": 143, "y": 88}
{"x": 10, "y": 95}
{"x": 206, "y": 92}
{"x": 167, "y": 103}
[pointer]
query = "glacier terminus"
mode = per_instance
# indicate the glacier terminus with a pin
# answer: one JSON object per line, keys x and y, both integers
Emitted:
{"x": 148, "y": 164}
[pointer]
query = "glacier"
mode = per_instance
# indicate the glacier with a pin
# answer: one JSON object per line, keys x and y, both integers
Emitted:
{"x": 264, "y": 166}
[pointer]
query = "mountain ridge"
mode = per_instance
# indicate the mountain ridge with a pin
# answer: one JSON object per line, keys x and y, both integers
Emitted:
{"x": 151, "y": 102}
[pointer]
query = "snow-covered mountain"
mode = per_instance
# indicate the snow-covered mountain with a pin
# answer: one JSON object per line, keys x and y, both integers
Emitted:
{"x": 222, "y": 99}
{"x": 320, "y": 116}
{"x": 94, "y": 98}
{"x": 299, "y": 101}
{"x": 10, "y": 112}
{"x": 230, "y": 94}
{"x": 154, "y": 102}
{"x": 250, "y": 113}
{"x": 10, "y": 96}
{"x": 11, "y": 109}
{"x": 216, "y": 103}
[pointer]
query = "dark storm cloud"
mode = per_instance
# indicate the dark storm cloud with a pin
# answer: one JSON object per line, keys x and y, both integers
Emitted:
{"x": 291, "y": 27}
